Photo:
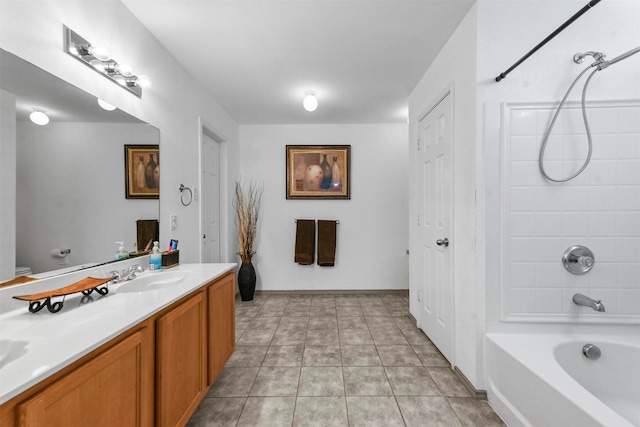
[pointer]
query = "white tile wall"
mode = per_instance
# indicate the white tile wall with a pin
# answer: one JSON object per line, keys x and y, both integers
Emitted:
{"x": 600, "y": 209}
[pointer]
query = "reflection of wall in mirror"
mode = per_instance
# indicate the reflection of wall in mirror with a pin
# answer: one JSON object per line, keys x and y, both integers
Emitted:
{"x": 70, "y": 181}
{"x": 7, "y": 191}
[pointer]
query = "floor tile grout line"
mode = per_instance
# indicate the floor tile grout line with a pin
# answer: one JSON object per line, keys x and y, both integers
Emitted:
{"x": 341, "y": 344}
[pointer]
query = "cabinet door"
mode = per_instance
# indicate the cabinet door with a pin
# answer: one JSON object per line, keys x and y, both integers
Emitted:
{"x": 181, "y": 361}
{"x": 222, "y": 329}
{"x": 113, "y": 389}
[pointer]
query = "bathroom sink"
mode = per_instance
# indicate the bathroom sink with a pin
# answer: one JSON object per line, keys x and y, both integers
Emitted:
{"x": 153, "y": 281}
{"x": 11, "y": 350}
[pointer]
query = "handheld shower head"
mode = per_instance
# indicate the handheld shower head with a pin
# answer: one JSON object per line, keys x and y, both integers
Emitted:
{"x": 624, "y": 56}
{"x": 604, "y": 64}
{"x": 578, "y": 58}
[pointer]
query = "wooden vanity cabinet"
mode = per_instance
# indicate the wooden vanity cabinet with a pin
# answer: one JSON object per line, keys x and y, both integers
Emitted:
{"x": 181, "y": 360}
{"x": 222, "y": 327}
{"x": 194, "y": 340}
{"x": 115, "y": 387}
{"x": 156, "y": 373}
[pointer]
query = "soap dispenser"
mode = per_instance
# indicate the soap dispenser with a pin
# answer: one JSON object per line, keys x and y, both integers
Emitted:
{"x": 155, "y": 259}
{"x": 122, "y": 253}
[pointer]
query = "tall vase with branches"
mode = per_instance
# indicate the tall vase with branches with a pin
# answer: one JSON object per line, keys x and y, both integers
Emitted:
{"x": 247, "y": 205}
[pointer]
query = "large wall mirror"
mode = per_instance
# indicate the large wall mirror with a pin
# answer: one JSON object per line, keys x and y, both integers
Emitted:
{"x": 70, "y": 173}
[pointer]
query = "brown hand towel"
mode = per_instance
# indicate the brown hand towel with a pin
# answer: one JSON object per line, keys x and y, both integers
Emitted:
{"x": 305, "y": 241}
{"x": 147, "y": 229}
{"x": 326, "y": 243}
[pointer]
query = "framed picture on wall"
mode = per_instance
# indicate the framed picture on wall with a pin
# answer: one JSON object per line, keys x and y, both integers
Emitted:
{"x": 142, "y": 171}
{"x": 318, "y": 171}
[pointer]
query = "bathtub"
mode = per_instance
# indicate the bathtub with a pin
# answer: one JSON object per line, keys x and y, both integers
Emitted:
{"x": 544, "y": 380}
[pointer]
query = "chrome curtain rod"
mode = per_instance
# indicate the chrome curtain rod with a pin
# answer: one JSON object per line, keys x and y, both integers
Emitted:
{"x": 549, "y": 37}
{"x": 316, "y": 220}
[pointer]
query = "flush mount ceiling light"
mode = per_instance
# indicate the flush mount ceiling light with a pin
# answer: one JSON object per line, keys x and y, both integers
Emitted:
{"x": 99, "y": 58}
{"x": 39, "y": 117}
{"x": 105, "y": 105}
{"x": 310, "y": 102}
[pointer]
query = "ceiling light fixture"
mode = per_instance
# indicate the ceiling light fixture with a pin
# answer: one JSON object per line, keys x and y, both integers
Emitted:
{"x": 310, "y": 102}
{"x": 105, "y": 105}
{"x": 98, "y": 57}
{"x": 39, "y": 117}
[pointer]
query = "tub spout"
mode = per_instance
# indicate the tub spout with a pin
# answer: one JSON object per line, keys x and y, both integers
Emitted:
{"x": 588, "y": 302}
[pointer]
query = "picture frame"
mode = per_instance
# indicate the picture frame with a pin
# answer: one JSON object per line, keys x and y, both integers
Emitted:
{"x": 318, "y": 171}
{"x": 142, "y": 171}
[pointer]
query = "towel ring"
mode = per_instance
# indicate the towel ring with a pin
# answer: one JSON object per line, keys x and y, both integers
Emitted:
{"x": 183, "y": 190}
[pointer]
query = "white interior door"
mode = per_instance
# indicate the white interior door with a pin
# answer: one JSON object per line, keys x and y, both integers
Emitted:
{"x": 434, "y": 245}
{"x": 210, "y": 194}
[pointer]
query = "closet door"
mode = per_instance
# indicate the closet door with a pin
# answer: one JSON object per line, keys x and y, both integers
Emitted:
{"x": 433, "y": 246}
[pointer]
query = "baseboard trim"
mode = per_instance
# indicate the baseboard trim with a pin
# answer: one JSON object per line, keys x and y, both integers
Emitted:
{"x": 413, "y": 319}
{"x": 402, "y": 292}
{"x": 475, "y": 393}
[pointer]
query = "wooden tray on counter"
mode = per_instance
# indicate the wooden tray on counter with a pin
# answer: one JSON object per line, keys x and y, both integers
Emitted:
{"x": 17, "y": 281}
{"x": 86, "y": 286}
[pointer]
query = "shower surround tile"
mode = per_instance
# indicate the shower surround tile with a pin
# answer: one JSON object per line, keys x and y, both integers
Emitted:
{"x": 598, "y": 209}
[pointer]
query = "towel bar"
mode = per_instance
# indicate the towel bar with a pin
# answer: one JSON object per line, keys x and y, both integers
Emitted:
{"x": 337, "y": 221}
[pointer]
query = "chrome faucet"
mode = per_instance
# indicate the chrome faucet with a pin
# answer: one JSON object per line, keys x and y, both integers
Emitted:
{"x": 128, "y": 274}
{"x": 580, "y": 299}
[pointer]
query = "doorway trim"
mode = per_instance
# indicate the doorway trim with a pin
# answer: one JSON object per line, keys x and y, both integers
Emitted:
{"x": 205, "y": 128}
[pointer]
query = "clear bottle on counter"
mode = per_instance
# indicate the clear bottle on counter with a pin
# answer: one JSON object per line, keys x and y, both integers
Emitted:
{"x": 155, "y": 259}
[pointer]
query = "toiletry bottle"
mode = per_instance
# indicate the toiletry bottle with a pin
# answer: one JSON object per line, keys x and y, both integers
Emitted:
{"x": 122, "y": 253}
{"x": 155, "y": 259}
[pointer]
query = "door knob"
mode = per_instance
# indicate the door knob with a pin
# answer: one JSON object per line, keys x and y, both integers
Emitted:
{"x": 442, "y": 242}
{"x": 204, "y": 236}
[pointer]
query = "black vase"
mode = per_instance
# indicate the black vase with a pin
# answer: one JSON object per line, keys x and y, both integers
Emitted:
{"x": 149, "y": 172}
{"x": 326, "y": 173}
{"x": 247, "y": 281}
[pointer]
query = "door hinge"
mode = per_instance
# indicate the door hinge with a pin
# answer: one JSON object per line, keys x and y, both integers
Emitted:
{"x": 418, "y": 295}
{"x": 418, "y": 220}
{"x": 418, "y": 144}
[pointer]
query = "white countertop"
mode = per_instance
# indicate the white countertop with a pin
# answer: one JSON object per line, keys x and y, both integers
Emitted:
{"x": 34, "y": 346}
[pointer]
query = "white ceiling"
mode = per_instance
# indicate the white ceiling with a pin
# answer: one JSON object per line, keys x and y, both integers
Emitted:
{"x": 257, "y": 58}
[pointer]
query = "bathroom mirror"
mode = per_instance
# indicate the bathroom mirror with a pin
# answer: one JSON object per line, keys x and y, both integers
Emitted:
{"x": 70, "y": 173}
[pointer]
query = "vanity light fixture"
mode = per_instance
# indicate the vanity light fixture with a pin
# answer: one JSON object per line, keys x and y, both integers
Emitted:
{"x": 99, "y": 58}
{"x": 39, "y": 117}
{"x": 310, "y": 102}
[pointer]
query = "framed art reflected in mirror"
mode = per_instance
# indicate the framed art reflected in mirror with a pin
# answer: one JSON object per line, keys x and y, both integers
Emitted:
{"x": 142, "y": 171}
{"x": 318, "y": 171}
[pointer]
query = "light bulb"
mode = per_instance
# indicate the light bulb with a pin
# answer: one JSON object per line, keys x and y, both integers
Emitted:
{"x": 121, "y": 80}
{"x": 97, "y": 64}
{"x": 310, "y": 102}
{"x": 105, "y": 105}
{"x": 125, "y": 69}
{"x": 101, "y": 52}
{"x": 143, "y": 81}
{"x": 39, "y": 118}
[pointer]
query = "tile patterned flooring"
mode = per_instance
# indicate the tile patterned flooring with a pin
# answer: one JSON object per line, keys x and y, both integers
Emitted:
{"x": 336, "y": 360}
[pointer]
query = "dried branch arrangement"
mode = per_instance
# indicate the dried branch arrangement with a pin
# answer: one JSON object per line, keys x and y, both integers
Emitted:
{"x": 247, "y": 205}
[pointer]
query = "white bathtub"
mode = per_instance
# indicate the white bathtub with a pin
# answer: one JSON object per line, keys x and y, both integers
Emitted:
{"x": 544, "y": 380}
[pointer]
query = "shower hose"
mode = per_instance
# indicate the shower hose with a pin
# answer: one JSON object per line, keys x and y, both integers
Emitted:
{"x": 586, "y": 125}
